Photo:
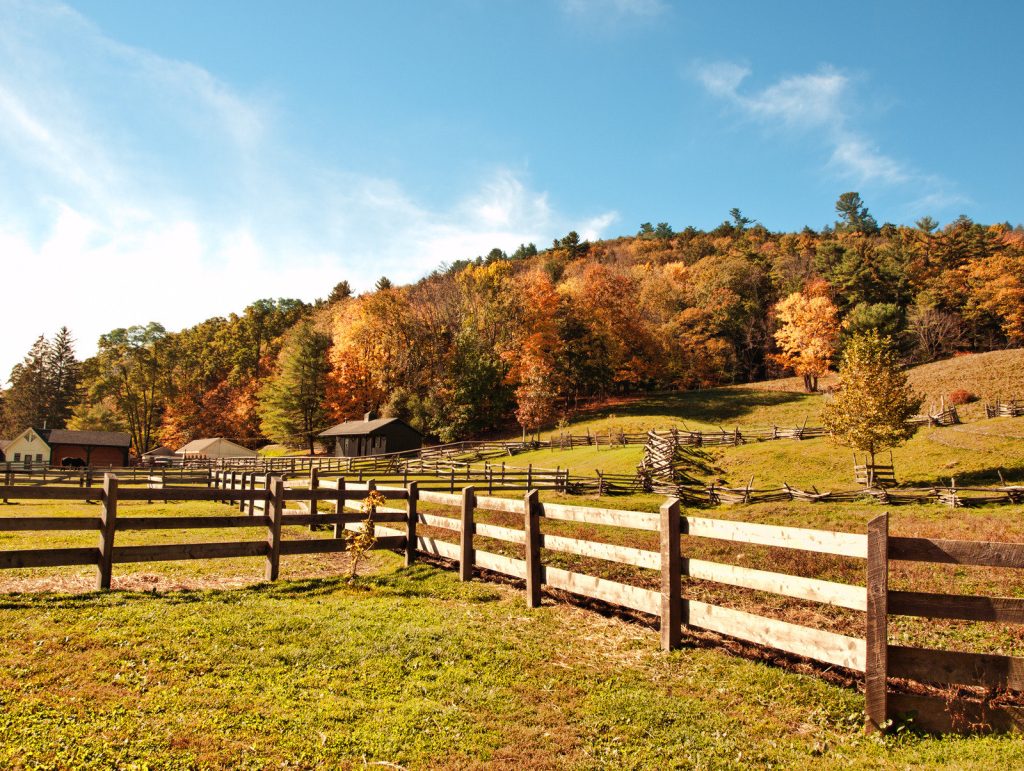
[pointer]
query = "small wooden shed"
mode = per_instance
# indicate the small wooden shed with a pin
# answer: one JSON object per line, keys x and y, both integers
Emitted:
{"x": 373, "y": 436}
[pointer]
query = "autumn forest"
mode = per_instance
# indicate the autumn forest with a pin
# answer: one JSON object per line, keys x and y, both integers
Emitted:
{"x": 509, "y": 341}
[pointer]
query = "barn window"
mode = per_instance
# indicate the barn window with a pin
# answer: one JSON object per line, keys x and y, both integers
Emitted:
{"x": 39, "y": 457}
{"x": 17, "y": 457}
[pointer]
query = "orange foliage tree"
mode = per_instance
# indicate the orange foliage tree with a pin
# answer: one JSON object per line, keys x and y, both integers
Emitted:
{"x": 532, "y": 350}
{"x": 808, "y": 332}
{"x": 997, "y": 286}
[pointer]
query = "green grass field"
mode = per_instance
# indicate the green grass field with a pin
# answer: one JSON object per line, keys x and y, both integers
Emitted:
{"x": 407, "y": 667}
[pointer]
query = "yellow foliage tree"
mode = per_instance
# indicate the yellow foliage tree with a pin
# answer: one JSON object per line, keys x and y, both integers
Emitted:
{"x": 808, "y": 332}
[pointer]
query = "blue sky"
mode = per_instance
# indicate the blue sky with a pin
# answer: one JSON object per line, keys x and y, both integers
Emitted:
{"x": 173, "y": 161}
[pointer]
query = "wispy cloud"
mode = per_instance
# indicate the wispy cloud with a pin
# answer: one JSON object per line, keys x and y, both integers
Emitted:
{"x": 856, "y": 157}
{"x": 817, "y": 102}
{"x": 139, "y": 188}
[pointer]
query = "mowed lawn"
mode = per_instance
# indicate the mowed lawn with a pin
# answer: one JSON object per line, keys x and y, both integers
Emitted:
{"x": 409, "y": 667}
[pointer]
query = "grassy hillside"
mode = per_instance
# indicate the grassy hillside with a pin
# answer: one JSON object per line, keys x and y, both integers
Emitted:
{"x": 971, "y": 453}
{"x": 708, "y": 410}
{"x": 998, "y": 374}
{"x": 406, "y": 667}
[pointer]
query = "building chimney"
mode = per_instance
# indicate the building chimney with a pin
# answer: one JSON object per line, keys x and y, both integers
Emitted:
{"x": 371, "y": 415}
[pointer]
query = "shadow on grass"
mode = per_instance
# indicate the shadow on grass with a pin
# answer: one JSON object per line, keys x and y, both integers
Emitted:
{"x": 421, "y": 580}
{"x": 716, "y": 405}
{"x": 988, "y": 477}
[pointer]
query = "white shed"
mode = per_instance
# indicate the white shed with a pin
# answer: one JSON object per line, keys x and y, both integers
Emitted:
{"x": 214, "y": 448}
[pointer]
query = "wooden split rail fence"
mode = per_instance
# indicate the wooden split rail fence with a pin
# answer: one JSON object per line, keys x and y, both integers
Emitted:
{"x": 871, "y": 655}
{"x": 946, "y": 416}
{"x": 106, "y": 554}
{"x": 1011, "y": 409}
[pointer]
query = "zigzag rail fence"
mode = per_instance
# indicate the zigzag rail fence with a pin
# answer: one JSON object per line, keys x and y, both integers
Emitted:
{"x": 1011, "y": 409}
{"x": 871, "y": 655}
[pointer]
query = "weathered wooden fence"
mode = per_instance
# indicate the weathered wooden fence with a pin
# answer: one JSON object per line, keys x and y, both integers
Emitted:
{"x": 1011, "y": 409}
{"x": 106, "y": 554}
{"x": 871, "y": 655}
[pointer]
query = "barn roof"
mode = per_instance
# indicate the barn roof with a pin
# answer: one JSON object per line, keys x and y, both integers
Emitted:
{"x": 89, "y": 438}
{"x": 218, "y": 444}
{"x": 197, "y": 445}
{"x": 363, "y": 427}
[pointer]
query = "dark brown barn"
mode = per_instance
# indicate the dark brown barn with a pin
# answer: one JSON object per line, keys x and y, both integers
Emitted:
{"x": 90, "y": 448}
{"x": 373, "y": 436}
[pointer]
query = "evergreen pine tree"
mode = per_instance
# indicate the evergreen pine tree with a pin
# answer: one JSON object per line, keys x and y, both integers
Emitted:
{"x": 27, "y": 399}
{"x": 292, "y": 402}
{"x": 63, "y": 374}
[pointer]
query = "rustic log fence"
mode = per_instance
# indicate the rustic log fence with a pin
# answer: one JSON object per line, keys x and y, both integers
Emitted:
{"x": 1011, "y": 409}
{"x": 871, "y": 655}
{"x": 946, "y": 416}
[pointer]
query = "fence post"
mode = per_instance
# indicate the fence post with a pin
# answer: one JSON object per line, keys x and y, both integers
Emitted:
{"x": 339, "y": 526}
{"x": 108, "y": 525}
{"x": 671, "y": 576}
{"x": 876, "y": 665}
{"x": 412, "y": 495}
{"x": 466, "y": 551}
{"x": 534, "y": 577}
{"x": 241, "y": 501}
{"x": 529, "y": 476}
{"x": 314, "y": 485}
{"x": 275, "y": 500}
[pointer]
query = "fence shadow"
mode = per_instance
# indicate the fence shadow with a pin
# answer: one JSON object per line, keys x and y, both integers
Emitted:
{"x": 987, "y": 477}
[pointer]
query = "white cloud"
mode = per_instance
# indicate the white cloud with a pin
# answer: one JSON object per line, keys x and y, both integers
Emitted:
{"x": 937, "y": 200}
{"x": 801, "y": 101}
{"x": 595, "y": 227}
{"x": 854, "y": 156}
{"x": 139, "y": 188}
{"x": 722, "y": 78}
{"x": 816, "y": 102}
